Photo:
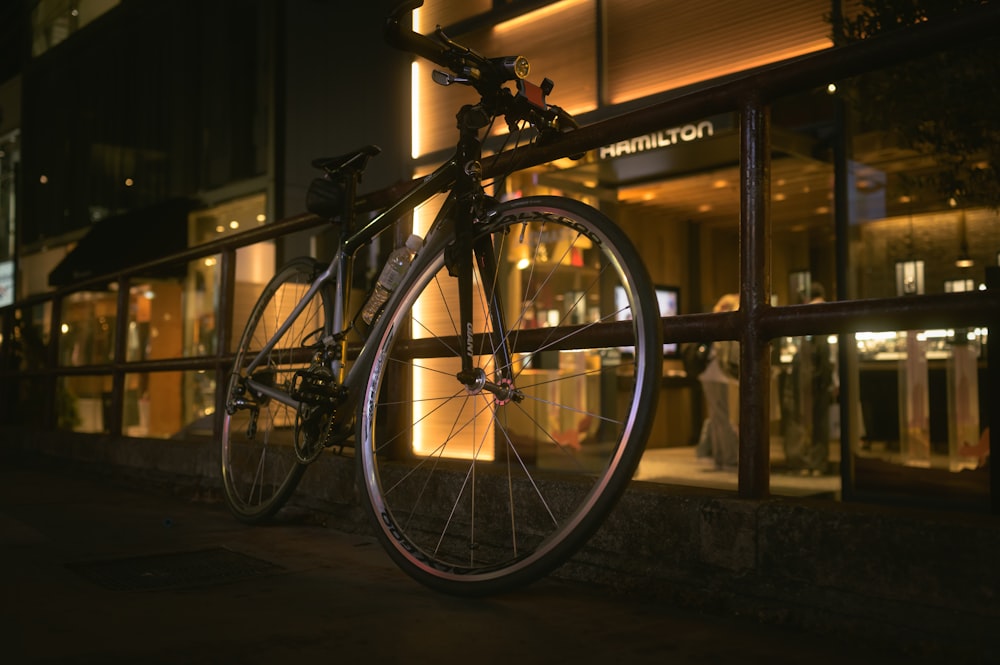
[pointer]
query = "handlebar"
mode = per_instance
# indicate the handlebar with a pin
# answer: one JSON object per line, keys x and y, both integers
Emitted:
{"x": 463, "y": 61}
{"x": 406, "y": 39}
{"x": 486, "y": 75}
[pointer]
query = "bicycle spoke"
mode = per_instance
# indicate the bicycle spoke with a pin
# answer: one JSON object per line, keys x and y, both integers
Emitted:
{"x": 260, "y": 471}
{"x": 482, "y": 502}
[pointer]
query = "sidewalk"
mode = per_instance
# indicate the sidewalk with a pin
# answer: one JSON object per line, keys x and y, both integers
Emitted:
{"x": 96, "y": 573}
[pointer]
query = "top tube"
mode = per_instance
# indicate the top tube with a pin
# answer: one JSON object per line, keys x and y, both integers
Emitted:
{"x": 439, "y": 181}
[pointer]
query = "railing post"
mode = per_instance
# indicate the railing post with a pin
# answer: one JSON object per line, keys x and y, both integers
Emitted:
{"x": 224, "y": 332}
{"x": 993, "y": 388}
{"x": 120, "y": 351}
{"x": 50, "y": 375}
{"x": 755, "y": 294}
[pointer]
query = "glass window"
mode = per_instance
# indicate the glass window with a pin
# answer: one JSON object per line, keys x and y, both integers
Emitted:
{"x": 128, "y": 100}
{"x": 169, "y": 404}
{"x": 10, "y": 157}
{"x": 55, "y": 20}
{"x": 201, "y": 305}
{"x": 922, "y": 219}
{"x": 31, "y": 336}
{"x": 923, "y": 414}
{"x": 805, "y": 416}
{"x": 83, "y": 403}
{"x": 8, "y": 288}
{"x": 87, "y": 328}
{"x": 255, "y": 266}
{"x": 156, "y": 320}
{"x": 227, "y": 218}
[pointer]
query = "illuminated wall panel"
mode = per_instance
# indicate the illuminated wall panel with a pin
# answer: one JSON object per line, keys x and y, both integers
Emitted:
{"x": 654, "y": 46}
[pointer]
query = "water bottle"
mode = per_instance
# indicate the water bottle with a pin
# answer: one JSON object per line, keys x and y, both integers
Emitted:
{"x": 392, "y": 273}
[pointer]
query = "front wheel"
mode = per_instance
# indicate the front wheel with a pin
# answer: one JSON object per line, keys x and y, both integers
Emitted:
{"x": 265, "y": 429}
{"x": 484, "y": 482}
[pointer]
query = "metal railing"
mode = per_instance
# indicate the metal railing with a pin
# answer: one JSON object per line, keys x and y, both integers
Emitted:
{"x": 755, "y": 324}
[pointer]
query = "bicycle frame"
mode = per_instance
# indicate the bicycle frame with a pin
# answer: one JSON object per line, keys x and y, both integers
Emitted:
{"x": 462, "y": 177}
{"x": 461, "y": 427}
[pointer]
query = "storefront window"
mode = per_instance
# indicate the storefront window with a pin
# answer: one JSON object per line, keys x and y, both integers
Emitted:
{"x": 31, "y": 336}
{"x": 255, "y": 266}
{"x": 922, "y": 219}
{"x": 201, "y": 304}
{"x": 924, "y": 414}
{"x": 28, "y": 349}
{"x": 805, "y": 416}
{"x": 83, "y": 403}
{"x": 87, "y": 329}
{"x": 10, "y": 158}
{"x": 155, "y": 325}
{"x": 169, "y": 404}
{"x": 55, "y": 20}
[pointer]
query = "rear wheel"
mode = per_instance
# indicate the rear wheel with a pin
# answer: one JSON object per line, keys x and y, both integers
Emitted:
{"x": 482, "y": 484}
{"x": 266, "y": 432}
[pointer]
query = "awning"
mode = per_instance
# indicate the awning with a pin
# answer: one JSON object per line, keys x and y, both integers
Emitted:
{"x": 126, "y": 240}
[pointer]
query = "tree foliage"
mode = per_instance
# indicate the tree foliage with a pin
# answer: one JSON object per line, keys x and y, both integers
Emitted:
{"x": 943, "y": 104}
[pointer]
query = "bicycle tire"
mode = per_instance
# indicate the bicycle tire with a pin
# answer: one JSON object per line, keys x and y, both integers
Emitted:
{"x": 260, "y": 469}
{"x": 474, "y": 493}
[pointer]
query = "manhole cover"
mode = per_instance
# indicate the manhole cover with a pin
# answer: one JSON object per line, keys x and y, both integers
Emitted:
{"x": 175, "y": 570}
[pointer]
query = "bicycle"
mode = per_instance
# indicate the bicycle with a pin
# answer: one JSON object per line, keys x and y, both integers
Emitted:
{"x": 488, "y": 448}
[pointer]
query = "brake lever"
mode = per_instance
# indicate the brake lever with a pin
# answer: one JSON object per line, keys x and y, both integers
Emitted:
{"x": 446, "y": 79}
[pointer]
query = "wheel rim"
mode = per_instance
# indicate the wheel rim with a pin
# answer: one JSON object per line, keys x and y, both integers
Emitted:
{"x": 508, "y": 485}
{"x": 260, "y": 471}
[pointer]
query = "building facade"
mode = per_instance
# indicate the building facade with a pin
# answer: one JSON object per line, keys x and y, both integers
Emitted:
{"x": 147, "y": 128}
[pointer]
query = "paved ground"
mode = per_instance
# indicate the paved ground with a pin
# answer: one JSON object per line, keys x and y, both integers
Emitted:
{"x": 96, "y": 573}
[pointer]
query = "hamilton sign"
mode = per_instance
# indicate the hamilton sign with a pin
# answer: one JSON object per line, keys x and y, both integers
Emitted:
{"x": 659, "y": 139}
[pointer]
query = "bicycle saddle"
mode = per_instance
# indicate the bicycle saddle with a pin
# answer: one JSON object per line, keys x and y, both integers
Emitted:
{"x": 355, "y": 160}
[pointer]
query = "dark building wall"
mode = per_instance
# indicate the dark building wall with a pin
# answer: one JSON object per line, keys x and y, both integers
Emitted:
{"x": 172, "y": 95}
{"x": 342, "y": 88}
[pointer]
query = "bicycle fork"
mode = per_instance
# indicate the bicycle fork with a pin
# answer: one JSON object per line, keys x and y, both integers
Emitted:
{"x": 468, "y": 254}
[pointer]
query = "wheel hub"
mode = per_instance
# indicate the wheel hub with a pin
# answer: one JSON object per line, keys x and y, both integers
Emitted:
{"x": 504, "y": 390}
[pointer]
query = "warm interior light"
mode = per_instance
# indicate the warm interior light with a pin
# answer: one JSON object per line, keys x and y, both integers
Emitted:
{"x": 964, "y": 260}
{"x": 415, "y": 109}
{"x": 433, "y": 426}
{"x": 730, "y": 65}
{"x": 536, "y": 15}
